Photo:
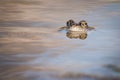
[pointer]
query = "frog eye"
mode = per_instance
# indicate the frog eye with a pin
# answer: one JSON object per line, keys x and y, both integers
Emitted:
{"x": 85, "y": 23}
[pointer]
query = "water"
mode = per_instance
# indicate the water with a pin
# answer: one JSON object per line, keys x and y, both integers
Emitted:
{"x": 31, "y": 48}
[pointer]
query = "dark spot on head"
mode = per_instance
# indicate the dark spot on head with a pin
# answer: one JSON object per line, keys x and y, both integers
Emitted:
{"x": 83, "y": 23}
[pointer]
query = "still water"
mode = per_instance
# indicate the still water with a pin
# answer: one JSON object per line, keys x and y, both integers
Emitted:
{"x": 32, "y": 48}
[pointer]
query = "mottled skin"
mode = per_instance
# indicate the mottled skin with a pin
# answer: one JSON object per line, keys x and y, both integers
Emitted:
{"x": 70, "y": 23}
{"x": 83, "y": 24}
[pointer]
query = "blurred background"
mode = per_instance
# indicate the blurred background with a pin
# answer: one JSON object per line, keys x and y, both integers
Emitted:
{"x": 31, "y": 48}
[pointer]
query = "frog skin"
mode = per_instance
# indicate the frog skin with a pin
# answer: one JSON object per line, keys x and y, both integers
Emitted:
{"x": 72, "y": 26}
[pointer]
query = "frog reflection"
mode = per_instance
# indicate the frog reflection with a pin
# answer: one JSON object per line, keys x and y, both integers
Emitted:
{"x": 73, "y": 34}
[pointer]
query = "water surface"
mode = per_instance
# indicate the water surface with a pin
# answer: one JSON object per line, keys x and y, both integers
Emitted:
{"x": 31, "y": 48}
